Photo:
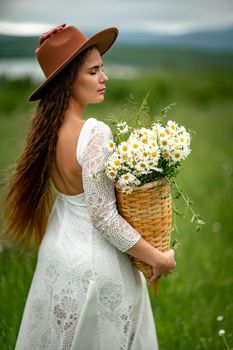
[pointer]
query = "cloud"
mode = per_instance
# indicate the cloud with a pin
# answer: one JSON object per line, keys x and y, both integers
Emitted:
{"x": 151, "y": 16}
{"x": 24, "y": 28}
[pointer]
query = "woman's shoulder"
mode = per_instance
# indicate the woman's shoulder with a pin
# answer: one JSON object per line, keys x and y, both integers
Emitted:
{"x": 101, "y": 125}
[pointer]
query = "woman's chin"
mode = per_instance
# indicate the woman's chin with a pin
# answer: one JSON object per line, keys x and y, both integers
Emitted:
{"x": 100, "y": 99}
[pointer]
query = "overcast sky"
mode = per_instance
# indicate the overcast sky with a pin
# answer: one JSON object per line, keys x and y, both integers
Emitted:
{"x": 32, "y": 17}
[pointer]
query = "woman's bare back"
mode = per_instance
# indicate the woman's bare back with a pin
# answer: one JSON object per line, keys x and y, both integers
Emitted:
{"x": 66, "y": 172}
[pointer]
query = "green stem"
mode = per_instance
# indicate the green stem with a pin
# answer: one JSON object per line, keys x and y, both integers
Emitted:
{"x": 225, "y": 342}
{"x": 144, "y": 102}
{"x": 174, "y": 216}
{"x": 187, "y": 203}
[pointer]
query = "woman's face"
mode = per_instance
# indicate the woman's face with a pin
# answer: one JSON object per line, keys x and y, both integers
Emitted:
{"x": 89, "y": 85}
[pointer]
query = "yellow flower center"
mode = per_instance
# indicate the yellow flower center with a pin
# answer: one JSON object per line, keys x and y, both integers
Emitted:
{"x": 124, "y": 148}
{"x": 164, "y": 143}
{"x": 126, "y": 177}
{"x": 117, "y": 162}
{"x": 135, "y": 145}
{"x": 162, "y": 134}
{"x": 154, "y": 154}
{"x": 177, "y": 155}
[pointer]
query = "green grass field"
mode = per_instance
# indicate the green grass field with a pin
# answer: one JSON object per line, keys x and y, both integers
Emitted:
{"x": 200, "y": 289}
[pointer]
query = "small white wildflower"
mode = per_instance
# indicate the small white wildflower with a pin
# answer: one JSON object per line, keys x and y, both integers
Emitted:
{"x": 94, "y": 176}
{"x": 219, "y": 318}
{"x": 122, "y": 127}
{"x": 216, "y": 227}
{"x": 221, "y": 332}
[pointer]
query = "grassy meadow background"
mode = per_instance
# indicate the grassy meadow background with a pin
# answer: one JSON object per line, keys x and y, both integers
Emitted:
{"x": 201, "y": 287}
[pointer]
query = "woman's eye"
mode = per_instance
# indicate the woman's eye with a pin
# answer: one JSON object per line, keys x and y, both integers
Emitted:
{"x": 94, "y": 72}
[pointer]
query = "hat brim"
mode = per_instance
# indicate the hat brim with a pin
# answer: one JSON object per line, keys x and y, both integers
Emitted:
{"x": 103, "y": 40}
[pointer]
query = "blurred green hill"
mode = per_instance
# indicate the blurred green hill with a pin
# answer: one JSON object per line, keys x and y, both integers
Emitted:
{"x": 140, "y": 55}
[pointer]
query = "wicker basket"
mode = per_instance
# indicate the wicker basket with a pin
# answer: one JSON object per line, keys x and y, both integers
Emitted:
{"x": 149, "y": 210}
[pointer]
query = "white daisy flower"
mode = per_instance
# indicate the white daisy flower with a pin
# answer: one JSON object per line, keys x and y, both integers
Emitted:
{"x": 165, "y": 141}
{"x": 141, "y": 166}
{"x": 156, "y": 126}
{"x": 111, "y": 145}
{"x": 145, "y": 132}
{"x": 161, "y": 133}
{"x": 127, "y": 178}
{"x": 115, "y": 161}
{"x": 172, "y": 126}
{"x": 166, "y": 155}
{"x": 168, "y": 132}
{"x": 155, "y": 154}
{"x": 177, "y": 156}
{"x": 135, "y": 145}
{"x": 125, "y": 148}
{"x": 111, "y": 173}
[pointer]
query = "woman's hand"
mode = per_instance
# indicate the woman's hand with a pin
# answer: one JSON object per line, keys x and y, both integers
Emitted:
{"x": 48, "y": 34}
{"x": 165, "y": 267}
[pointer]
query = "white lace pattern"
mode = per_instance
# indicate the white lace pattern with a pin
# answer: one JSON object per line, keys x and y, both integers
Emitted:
{"x": 85, "y": 293}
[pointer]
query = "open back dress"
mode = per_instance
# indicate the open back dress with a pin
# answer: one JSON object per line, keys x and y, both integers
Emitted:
{"x": 85, "y": 293}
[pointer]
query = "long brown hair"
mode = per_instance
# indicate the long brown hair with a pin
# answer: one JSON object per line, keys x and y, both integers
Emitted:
{"x": 28, "y": 196}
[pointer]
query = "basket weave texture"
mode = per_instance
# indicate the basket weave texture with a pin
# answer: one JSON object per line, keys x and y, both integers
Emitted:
{"x": 149, "y": 210}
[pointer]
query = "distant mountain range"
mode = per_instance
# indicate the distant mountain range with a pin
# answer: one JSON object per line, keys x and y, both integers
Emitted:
{"x": 221, "y": 40}
{"x": 209, "y": 40}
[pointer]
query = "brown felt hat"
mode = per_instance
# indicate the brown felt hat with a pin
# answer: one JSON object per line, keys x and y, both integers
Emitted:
{"x": 61, "y": 47}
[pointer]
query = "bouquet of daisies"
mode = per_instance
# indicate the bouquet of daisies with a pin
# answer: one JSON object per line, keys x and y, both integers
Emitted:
{"x": 144, "y": 161}
{"x": 147, "y": 154}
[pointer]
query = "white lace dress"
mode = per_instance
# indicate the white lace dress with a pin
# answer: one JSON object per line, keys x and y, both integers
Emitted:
{"x": 85, "y": 292}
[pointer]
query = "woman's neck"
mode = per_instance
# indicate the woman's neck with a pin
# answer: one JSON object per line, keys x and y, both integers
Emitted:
{"x": 75, "y": 109}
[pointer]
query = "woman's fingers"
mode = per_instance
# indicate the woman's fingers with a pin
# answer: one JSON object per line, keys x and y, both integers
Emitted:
{"x": 47, "y": 35}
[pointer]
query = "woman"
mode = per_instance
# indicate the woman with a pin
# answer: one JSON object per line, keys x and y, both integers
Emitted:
{"x": 85, "y": 293}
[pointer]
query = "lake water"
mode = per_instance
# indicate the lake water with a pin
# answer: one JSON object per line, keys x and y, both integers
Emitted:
{"x": 12, "y": 68}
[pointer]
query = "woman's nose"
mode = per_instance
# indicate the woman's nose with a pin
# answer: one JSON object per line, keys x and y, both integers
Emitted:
{"x": 104, "y": 77}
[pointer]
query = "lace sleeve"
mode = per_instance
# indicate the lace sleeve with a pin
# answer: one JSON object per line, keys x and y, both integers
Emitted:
{"x": 100, "y": 193}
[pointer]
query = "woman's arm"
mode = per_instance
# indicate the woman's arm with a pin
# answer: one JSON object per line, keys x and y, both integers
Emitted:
{"x": 101, "y": 201}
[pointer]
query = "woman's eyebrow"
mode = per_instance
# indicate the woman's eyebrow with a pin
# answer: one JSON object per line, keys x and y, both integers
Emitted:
{"x": 97, "y": 66}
